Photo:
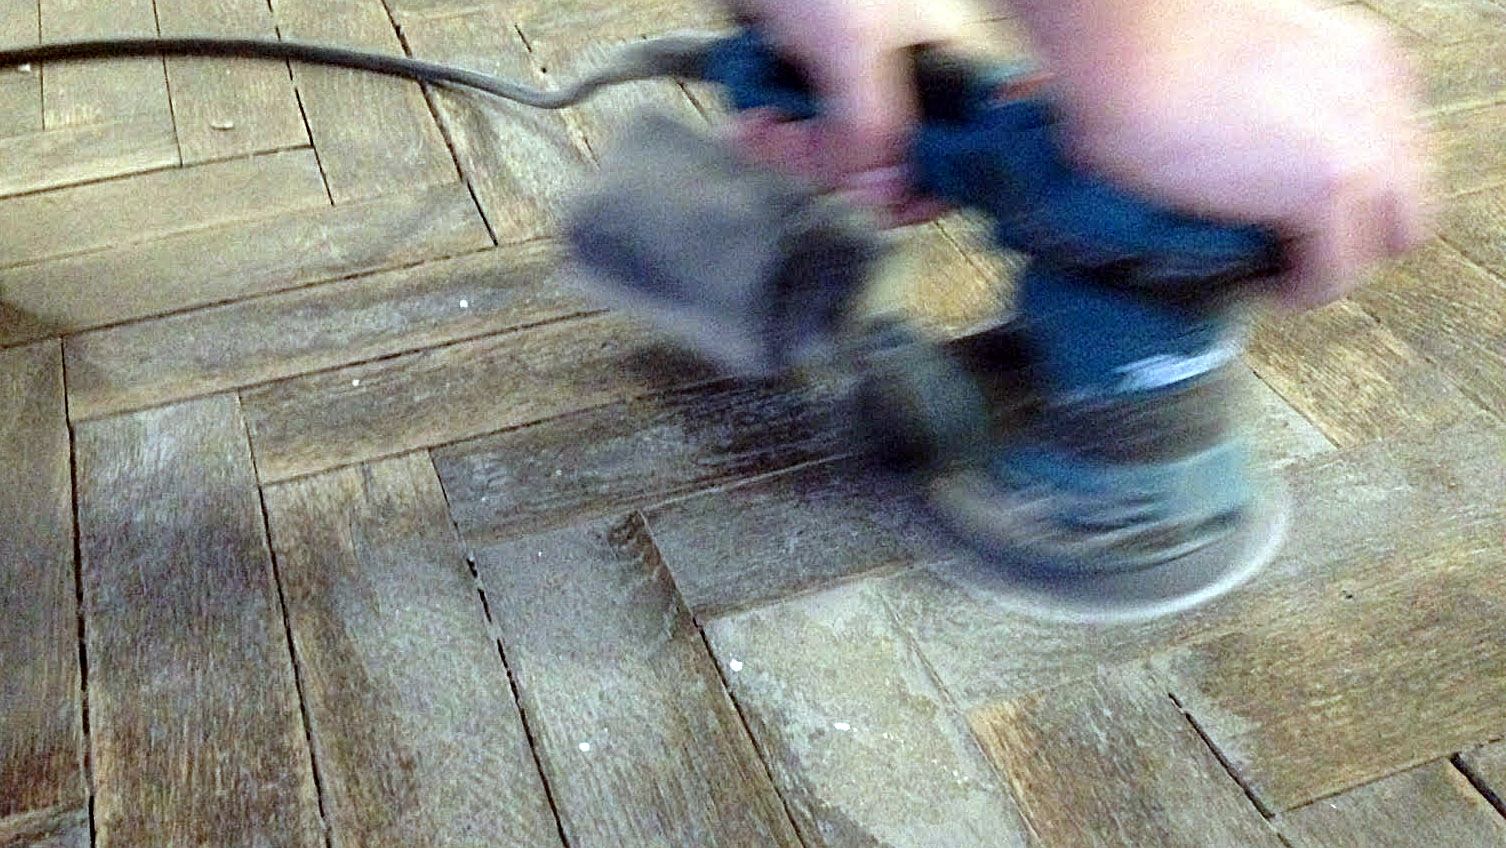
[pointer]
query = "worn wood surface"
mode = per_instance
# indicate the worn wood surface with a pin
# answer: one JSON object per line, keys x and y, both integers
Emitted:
{"x": 69, "y": 221}
{"x": 781, "y": 534}
{"x": 522, "y": 163}
{"x": 375, "y": 134}
{"x": 445, "y": 394}
{"x": 864, "y": 747}
{"x": 1352, "y": 376}
{"x": 1486, "y": 767}
{"x": 1446, "y": 21}
{"x": 1473, "y": 224}
{"x": 613, "y": 458}
{"x": 311, "y": 329}
{"x": 221, "y": 107}
{"x": 87, "y": 152}
{"x": 1432, "y": 804}
{"x": 1466, "y": 75}
{"x": 430, "y": 753}
{"x": 20, "y": 89}
{"x": 1467, "y": 150}
{"x": 1111, "y": 761}
{"x": 41, "y": 734}
{"x": 75, "y": 93}
{"x": 244, "y": 258}
{"x": 638, "y": 739}
{"x": 195, "y": 729}
{"x": 55, "y": 828}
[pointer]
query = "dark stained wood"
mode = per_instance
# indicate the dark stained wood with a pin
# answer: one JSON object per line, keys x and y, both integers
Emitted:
{"x": 226, "y": 108}
{"x": 76, "y": 93}
{"x": 445, "y": 394}
{"x": 630, "y": 454}
{"x": 414, "y": 727}
{"x": 1451, "y": 310}
{"x": 245, "y": 258}
{"x": 1432, "y": 804}
{"x": 1111, "y": 761}
{"x": 1446, "y": 21}
{"x": 82, "y": 153}
{"x": 1360, "y": 518}
{"x": 1351, "y": 376}
{"x": 41, "y": 736}
{"x": 147, "y": 206}
{"x": 375, "y": 135}
{"x": 777, "y": 535}
{"x": 20, "y": 90}
{"x": 639, "y": 741}
{"x": 1467, "y": 149}
{"x": 262, "y": 339}
{"x": 864, "y": 747}
{"x": 195, "y": 729}
{"x": 522, "y": 163}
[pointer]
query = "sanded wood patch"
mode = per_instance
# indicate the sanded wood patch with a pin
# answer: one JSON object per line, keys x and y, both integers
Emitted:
{"x": 445, "y": 394}
{"x": 228, "y": 107}
{"x": 195, "y": 728}
{"x": 1430, "y": 805}
{"x": 140, "y": 208}
{"x": 1462, "y": 76}
{"x": 639, "y": 741}
{"x": 864, "y": 747}
{"x": 375, "y": 135}
{"x": 1467, "y": 149}
{"x": 41, "y": 736}
{"x": 1473, "y": 225}
{"x": 417, "y": 736}
{"x": 1111, "y": 761}
{"x": 244, "y": 258}
{"x": 84, "y": 153}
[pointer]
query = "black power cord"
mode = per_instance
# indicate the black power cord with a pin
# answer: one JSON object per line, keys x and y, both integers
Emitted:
{"x": 674, "y": 55}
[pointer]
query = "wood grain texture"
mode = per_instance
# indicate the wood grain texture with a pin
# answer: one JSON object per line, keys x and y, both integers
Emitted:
{"x": 54, "y": 828}
{"x": 225, "y": 108}
{"x": 640, "y": 742}
{"x": 75, "y": 93}
{"x": 1361, "y": 518}
{"x": 194, "y": 723}
{"x": 609, "y": 21}
{"x": 1467, "y": 149}
{"x": 414, "y": 727}
{"x": 140, "y": 208}
{"x": 631, "y": 454}
{"x": 282, "y": 335}
{"x": 20, "y": 89}
{"x": 244, "y": 258}
{"x": 1472, "y": 224}
{"x": 1461, "y": 76}
{"x": 1111, "y": 761}
{"x": 943, "y": 288}
{"x": 1432, "y": 804}
{"x": 41, "y": 735}
{"x": 445, "y": 394}
{"x": 375, "y": 135}
{"x": 1352, "y": 376}
{"x": 1452, "y": 311}
{"x": 777, "y": 535}
{"x": 1486, "y": 767}
{"x": 1446, "y": 21}
{"x": 865, "y": 749}
{"x": 522, "y": 163}
{"x": 84, "y": 153}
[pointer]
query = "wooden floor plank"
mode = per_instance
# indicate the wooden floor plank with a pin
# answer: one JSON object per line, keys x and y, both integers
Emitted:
{"x": 522, "y": 163}
{"x": 83, "y": 153}
{"x": 146, "y": 206}
{"x": 638, "y": 739}
{"x": 1453, "y": 312}
{"x": 1432, "y": 804}
{"x": 418, "y": 738}
{"x": 223, "y": 107}
{"x": 20, "y": 89}
{"x": 41, "y": 736}
{"x": 1446, "y": 21}
{"x": 863, "y": 747}
{"x": 1467, "y": 149}
{"x": 315, "y": 328}
{"x": 615, "y": 458}
{"x": 76, "y": 93}
{"x": 630, "y": 19}
{"x": 194, "y": 720}
{"x": 65, "y": 828}
{"x": 1360, "y": 518}
{"x": 1351, "y": 376}
{"x": 1486, "y": 767}
{"x": 1111, "y": 761}
{"x": 244, "y": 258}
{"x": 446, "y": 394}
{"x": 375, "y": 135}
{"x": 760, "y": 541}
{"x": 1467, "y": 75}
{"x": 1472, "y": 224}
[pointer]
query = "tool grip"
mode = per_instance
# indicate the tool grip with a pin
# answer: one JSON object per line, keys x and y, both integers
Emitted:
{"x": 976, "y": 148}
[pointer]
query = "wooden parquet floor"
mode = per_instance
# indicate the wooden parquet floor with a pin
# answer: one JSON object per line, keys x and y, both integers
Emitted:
{"x": 329, "y": 516}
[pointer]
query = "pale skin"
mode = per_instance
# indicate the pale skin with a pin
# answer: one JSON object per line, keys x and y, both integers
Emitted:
{"x": 1264, "y": 111}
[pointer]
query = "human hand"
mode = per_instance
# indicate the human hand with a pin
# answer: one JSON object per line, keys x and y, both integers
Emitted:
{"x": 1259, "y": 111}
